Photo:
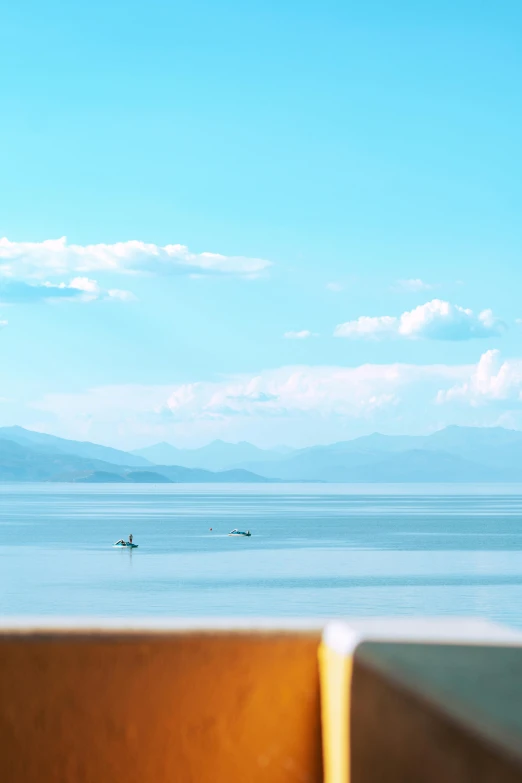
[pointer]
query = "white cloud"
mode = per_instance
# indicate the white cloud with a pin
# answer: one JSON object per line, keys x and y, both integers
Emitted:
{"x": 335, "y": 287}
{"x": 84, "y": 284}
{"x": 303, "y": 335}
{"x": 55, "y": 257}
{"x": 81, "y": 289}
{"x": 122, "y": 296}
{"x": 435, "y": 320}
{"x": 3, "y": 323}
{"x": 491, "y": 380}
{"x": 413, "y": 285}
{"x": 367, "y": 326}
{"x": 86, "y": 289}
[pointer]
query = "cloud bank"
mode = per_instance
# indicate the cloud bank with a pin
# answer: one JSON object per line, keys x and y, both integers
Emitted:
{"x": 435, "y": 320}
{"x": 296, "y": 404}
{"x": 55, "y": 257}
{"x": 288, "y": 391}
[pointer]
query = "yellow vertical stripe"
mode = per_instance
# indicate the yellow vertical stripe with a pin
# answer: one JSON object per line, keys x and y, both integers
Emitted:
{"x": 336, "y": 675}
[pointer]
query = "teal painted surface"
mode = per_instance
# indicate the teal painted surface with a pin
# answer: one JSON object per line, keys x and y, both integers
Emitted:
{"x": 478, "y": 686}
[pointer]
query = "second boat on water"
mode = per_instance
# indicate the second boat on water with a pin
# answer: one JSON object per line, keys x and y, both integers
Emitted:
{"x": 239, "y": 533}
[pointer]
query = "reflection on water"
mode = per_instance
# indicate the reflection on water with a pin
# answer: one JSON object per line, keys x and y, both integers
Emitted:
{"x": 316, "y": 550}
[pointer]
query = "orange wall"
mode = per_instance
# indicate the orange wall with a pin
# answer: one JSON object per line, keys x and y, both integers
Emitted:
{"x": 169, "y": 707}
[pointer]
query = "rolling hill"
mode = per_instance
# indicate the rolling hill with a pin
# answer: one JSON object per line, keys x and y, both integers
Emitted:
{"x": 18, "y": 462}
{"x": 50, "y": 444}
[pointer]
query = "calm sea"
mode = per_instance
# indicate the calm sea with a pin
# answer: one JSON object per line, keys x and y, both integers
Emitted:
{"x": 315, "y": 550}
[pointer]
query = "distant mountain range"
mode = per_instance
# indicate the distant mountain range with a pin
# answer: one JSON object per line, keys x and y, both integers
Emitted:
{"x": 217, "y": 455}
{"x": 31, "y": 456}
{"x": 458, "y": 454}
{"x": 454, "y": 454}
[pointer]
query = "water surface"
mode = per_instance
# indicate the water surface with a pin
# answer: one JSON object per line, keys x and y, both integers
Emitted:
{"x": 315, "y": 550}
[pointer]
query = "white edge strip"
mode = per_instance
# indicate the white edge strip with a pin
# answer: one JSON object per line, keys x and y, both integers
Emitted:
{"x": 344, "y": 636}
{"x": 159, "y": 624}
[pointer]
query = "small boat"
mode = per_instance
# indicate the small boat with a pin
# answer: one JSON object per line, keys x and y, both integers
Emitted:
{"x": 240, "y": 533}
{"x": 127, "y": 544}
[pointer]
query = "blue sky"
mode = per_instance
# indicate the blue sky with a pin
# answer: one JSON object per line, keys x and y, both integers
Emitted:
{"x": 352, "y": 169}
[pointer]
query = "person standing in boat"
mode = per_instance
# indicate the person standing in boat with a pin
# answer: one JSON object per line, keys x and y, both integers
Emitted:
{"x": 130, "y": 539}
